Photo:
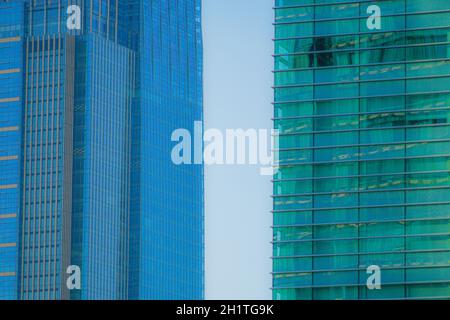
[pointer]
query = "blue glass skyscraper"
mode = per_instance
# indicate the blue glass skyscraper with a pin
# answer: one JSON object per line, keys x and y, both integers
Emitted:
{"x": 86, "y": 177}
{"x": 11, "y": 80}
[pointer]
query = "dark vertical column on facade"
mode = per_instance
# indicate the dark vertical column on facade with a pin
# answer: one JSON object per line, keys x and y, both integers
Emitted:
{"x": 124, "y": 248}
{"x": 68, "y": 162}
{"x": 79, "y": 154}
{"x": 135, "y": 161}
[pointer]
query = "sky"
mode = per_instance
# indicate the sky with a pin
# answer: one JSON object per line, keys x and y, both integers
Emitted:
{"x": 237, "y": 94}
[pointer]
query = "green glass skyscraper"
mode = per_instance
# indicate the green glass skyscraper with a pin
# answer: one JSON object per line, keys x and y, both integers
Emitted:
{"x": 362, "y": 105}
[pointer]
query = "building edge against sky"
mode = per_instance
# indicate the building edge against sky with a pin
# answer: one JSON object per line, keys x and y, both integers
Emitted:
{"x": 362, "y": 104}
{"x": 86, "y": 176}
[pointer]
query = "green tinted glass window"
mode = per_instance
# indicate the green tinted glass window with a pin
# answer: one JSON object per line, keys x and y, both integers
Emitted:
{"x": 365, "y": 175}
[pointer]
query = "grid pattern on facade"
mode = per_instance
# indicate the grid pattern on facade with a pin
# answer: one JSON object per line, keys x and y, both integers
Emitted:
{"x": 80, "y": 186}
{"x": 363, "y": 114}
{"x": 11, "y": 79}
{"x": 44, "y": 164}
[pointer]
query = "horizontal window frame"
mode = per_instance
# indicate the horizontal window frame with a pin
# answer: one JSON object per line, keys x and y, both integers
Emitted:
{"x": 405, "y": 283}
{"x": 406, "y": 94}
{"x": 334, "y": 115}
{"x": 323, "y": 4}
{"x": 359, "y": 17}
{"x": 315, "y": 84}
{"x": 359, "y": 222}
{"x": 360, "y": 176}
{"x": 403, "y": 267}
{"x": 375, "y": 64}
{"x": 368, "y": 191}
{"x": 332, "y": 147}
{"x": 412, "y": 204}
{"x": 400, "y": 236}
{"x": 362, "y": 129}
{"x": 322, "y": 255}
{"x": 359, "y": 49}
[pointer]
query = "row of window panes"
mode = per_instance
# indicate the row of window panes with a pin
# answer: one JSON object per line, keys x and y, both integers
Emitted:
{"x": 389, "y": 276}
{"x": 376, "y": 214}
{"x": 365, "y": 139}
{"x": 363, "y": 105}
{"x": 363, "y": 57}
{"x": 366, "y": 89}
{"x": 362, "y": 292}
{"x": 351, "y": 74}
{"x": 422, "y": 180}
{"x": 388, "y": 23}
{"x": 363, "y": 230}
{"x": 377, "y": 152}
{"x": 351, "y": 169}
{"x": 348, "y": 169}
{"x": 352, "y": 200}
{"x": 365, "y": 41}
{"x": 384, "y": 260}
{"x": 378, "y": 245}
{"x": 365, "y": 123}
{"x": 349, "y": 10}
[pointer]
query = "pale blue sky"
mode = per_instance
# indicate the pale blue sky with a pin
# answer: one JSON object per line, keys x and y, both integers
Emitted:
{"x": 238, "y": 94}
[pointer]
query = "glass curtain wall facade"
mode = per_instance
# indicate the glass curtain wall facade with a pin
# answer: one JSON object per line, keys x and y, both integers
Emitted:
{"x": 362, "y": 105}
{"x": 11, "y": 81}
{"x": 102, "y": 112}
{"x": 86, "y": 177}
{"x": 166, "y": 226}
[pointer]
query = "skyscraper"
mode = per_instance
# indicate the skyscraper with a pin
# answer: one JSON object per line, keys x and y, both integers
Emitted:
{"x": 86, "y": 177}
{"x": 362, "y": 105}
